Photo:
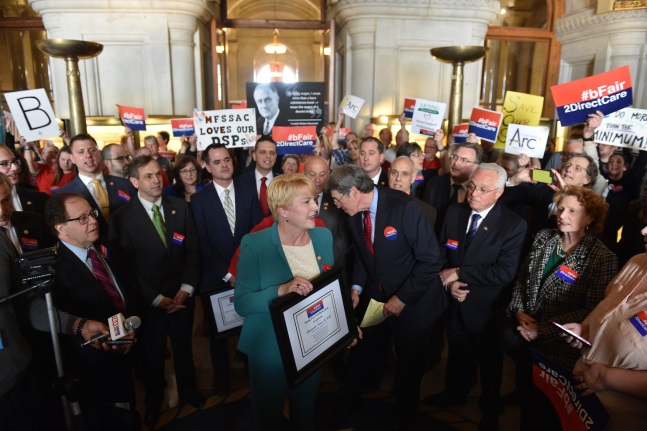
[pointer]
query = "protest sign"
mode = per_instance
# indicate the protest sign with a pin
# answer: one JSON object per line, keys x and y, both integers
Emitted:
{"x": 485, "y": 123}
{"x": 33, "y": 114}
{"x": 518, "y": 108}
{"x": 182, "y": 126}
{"x": 295, "y": 140}
{"x": 427, "y": 117}
{"x": 606, "y": 92}
{"x": 528, "y": 140}
{"x": 624, "y": 128}
{"x": 132, "y": 117}
{"x": 576, "y": 412}
{"x": 235, "y": 128}
{"x": 409, "y": 105}
{"x": 351, "y": 105}
{"x": 460, "y": 132}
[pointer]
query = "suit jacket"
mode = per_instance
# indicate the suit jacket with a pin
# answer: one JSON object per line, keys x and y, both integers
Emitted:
{"x": 335, "y": 220}
{"x": 119, "y": 191}
{"x": 556, "y": 299}
{"x": 536, "y": 196}
{"x": 157, "y": 269}
{"x": 216, "y": 242}
{"x": 31, "y": 200}
{"x": 33, "y": 233}
{"x": 489, "y": 264}
{"x": 383, "y": 180}
{"x": 427, "y": 174}
{"x": 262, "y": 268}
{"x": 437, "y": 194}
{"x": 406, "y": 260}
{"x": 429, "y": 211}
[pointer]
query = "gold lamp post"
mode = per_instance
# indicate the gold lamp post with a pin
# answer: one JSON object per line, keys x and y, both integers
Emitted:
{"x": 72, "y": 51}
{"x": 458, "y": 56}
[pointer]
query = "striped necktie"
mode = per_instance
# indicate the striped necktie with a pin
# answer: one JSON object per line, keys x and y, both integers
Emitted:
{"x": 230, "y": 211}
{"x": 102, "y": 274}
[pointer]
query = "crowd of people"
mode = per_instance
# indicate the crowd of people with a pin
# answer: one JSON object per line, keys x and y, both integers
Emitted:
{"x": 455, "y": 239}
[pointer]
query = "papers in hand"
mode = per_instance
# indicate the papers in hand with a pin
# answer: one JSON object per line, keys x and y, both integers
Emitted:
{"x": 374, "y": 314}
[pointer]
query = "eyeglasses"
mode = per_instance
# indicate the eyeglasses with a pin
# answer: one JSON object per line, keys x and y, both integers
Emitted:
{"x": 576, "y": 168}
{"x": 455, "y": 159}
{"x": 336, "y": 201}
{"x": 416, "y": 154}
{"x": 188, "y": 172}
{"x": 7, "y": 164}
{"x": 480, "y": 190}
{"x": 85, "y": 217}
{"x": 122, "y": 159}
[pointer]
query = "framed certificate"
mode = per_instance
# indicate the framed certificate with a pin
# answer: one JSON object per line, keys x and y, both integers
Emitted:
{"x": 310, "y": 330}
{"x": 219, "y": 309}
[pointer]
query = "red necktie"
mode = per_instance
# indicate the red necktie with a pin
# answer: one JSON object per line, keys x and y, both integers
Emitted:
{"x": 101, "y": 272}
{"x": 263, "y": 197}
{"x": 367, "y": 231}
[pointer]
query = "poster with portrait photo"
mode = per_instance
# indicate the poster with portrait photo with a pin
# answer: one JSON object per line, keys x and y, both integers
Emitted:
{"x": 286, "y": 105}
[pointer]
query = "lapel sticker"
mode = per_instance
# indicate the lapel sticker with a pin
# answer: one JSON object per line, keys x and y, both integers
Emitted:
{"x": 178, "y": 238}
{"x": 29, "y": 243}
{"x": 390, "y": 233}
{"x": 567, "y": 274}
{"x": 640, "y": 322}
{"x": 451, "y": 244}
{"x": 123, "y": 195}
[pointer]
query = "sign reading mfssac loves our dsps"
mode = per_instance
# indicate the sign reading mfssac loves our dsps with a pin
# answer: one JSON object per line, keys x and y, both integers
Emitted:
{"x": 606, "y": 92}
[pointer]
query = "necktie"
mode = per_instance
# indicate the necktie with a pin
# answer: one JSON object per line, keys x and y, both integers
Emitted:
{"x": 102, "y": 274}
{"x": 473, "y": 227}
{"x": 455, "y": 193}
{"x": 367, "y": 231}
{"x": 266, "y": 127}
{"x": 158, "y": 222}
{"x": 103, "y": 198}
{"x": 230, "y": 211}
{"x": 263, "y": 197}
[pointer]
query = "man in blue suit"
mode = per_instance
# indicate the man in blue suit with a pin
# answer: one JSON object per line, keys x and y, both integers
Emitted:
{"x": 223, "y": 212}
{"x": 106, "y": 193}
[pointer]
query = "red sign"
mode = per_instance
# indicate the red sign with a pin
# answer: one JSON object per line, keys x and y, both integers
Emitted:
{"x": 135, "y": 118}
{"x": 295, "y": 140}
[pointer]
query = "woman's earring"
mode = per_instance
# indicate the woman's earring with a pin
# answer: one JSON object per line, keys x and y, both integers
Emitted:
{"x": 286, "y": 220}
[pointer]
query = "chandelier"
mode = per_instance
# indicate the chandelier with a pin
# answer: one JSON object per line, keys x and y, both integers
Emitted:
{"x": 275, "y": 47}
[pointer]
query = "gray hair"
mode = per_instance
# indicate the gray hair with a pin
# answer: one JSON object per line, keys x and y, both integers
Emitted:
{"x": 501, "y": 173}
{"x": 345, "y": 177}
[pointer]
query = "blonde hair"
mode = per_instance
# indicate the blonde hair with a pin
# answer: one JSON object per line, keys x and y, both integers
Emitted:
{"x": 284, "y": 188}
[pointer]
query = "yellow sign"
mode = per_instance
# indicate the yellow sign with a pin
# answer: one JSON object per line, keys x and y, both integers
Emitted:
{"x": 519, "y": 108}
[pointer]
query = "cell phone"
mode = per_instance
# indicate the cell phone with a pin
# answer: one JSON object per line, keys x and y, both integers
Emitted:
{"x": 119, "y": 342}
{"x": 542, "y": 176}
{"x": 572, "y": 334}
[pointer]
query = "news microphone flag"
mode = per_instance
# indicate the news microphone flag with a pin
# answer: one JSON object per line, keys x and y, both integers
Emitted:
{"x": 606, "y": 92}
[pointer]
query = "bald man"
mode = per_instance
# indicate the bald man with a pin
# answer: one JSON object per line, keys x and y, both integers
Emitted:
{"x": 402, "y": 177}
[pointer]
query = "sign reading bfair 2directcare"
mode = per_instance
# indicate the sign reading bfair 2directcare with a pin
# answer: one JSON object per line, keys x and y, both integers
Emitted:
{"x": 295, "y": 140}
{"x": 606, "y": 92}
{"x": 234, "y": 128}
{"x": 135, "y": 118}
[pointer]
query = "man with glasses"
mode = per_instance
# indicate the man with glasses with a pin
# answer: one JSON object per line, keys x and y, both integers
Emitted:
{"x": 91, "y": 280}
{"x": 481, "y": 244}
{"x": 443, "y": 190}
{"x": 24, "y": 199}
{"x": 106, "y": 193}
{"x": 116, "y": 159}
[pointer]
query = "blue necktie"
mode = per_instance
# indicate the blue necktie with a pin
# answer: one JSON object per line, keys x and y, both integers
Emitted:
{"x": 472, "y": 231}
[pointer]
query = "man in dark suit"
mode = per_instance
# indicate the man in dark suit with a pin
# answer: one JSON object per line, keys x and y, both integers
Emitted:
{"x": 267, "y": 104}
{"x": 482, "y": 243}
{"x": 106, "y": 193}
{"x": 371, "y": 157}
{"x": 224, "y": 212}
{"x": 90, "y": 280}
{"x": 449, "y": 188}
{"x": 318, "y": 171}
{"x": 397, "y": 263}
{"x": 260, "y": 178}
{"x": 157, "y": 236}
{"x": 402, "y": 177}
{"x": 24, "y": 199}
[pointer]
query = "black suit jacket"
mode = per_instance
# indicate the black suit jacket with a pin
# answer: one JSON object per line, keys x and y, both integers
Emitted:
{"x": 216, "y": 242}
{"x": 119, "y": 191}
{"x": 383, "y": 180}
{"x": 536, "y": 196}
{"x": 157, "y": 269}
{"x": 31, "y": 200}
{"x": 437, "y": 194}
{"x": 489, "y": 264}
{"x": 335, "y": 220}
{"x": 33, "y": 233}
{"x": 406, "y": 260}
{"x": 429, "y": 211}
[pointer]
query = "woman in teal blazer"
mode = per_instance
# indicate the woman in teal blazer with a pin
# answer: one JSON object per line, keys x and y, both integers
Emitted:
{"x": 275, "y": 262}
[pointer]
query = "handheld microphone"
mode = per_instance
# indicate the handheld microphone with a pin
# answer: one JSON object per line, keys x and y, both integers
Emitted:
{"x": 119, "y": 328}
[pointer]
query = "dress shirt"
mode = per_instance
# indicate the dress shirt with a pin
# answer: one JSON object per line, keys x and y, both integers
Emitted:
{"x": 232, "y": 195}
{"x": 17, "y": 206}
{"x": 259, "y": 176}
{"x": 91, "y": 188}
{"x": 13, "y": 236}
{"x": 373, "y": 209}
{"x": 483, "y": 214}
{"x": 376, "y": 178}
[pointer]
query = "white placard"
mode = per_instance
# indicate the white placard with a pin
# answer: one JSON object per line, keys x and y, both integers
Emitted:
{"x": 224, "y": 313}
{"x": 624, "y": 128}
{"x": 427, "y": 117}
{"x": 33, "y": 114}
{"x": 235, "y": 128}
{"x": 529, "y": 140}
{"x": 351, "y": 105}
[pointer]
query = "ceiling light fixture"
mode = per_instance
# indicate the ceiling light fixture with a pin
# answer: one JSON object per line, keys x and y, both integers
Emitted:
{"x": 275, "y": 47}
